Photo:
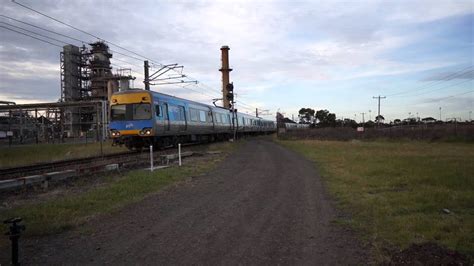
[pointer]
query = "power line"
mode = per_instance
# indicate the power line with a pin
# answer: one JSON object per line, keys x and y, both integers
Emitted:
{"x": 429, "y": 85}
{"x": 126, "y": 55}
{"x": 31, "y": 36}
{"x": 63, "y": 35}
{"x": 44, "y": 36}
{"x": 451, "y": 96}
{"x": 464, "y": 81}
{"x": 123, "y": 61}
{"x": 41, "y": 28}
{"x": 64, "y": 23}
{"x": 54, "y": 39}
{"x": 83, "y": 31}
{"x": 66, "y": 36}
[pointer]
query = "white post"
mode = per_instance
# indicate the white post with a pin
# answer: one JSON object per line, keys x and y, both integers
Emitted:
{"x": 151, "y": 158}
{"x": 179, "y": 153}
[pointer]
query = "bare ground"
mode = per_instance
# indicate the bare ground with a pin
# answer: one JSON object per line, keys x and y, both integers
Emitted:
{"x": 263, "y": 205}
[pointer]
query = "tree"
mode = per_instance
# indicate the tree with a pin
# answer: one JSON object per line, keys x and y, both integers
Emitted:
{"x": 306, "y": 115}
{"x": 369, "y": 123}
{"x": 325, "y": 118}
{"x": 350, "y": 123}
{"x": 397, "y": 121}
{"x": 380, "y": 119}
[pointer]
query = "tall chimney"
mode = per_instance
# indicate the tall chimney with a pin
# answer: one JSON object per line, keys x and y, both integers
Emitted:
{"x": 225, "y": 74}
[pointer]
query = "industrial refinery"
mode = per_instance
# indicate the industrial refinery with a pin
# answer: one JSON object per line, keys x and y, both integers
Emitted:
{"x": 87, "y": 82}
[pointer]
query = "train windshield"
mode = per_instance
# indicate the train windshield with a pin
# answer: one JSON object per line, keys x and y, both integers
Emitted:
{"x": 135, "y": 111}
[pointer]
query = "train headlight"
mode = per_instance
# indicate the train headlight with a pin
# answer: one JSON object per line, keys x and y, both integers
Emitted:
{"x": 115, "y": 133}
{"x": 146, "y": 131}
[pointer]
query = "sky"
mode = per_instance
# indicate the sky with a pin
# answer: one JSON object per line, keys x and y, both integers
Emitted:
{"x": 285, "y": 55}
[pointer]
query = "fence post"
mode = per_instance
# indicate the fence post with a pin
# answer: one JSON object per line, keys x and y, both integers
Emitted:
{"x": 151, "y": 157}
{"x": 179, "y": 153}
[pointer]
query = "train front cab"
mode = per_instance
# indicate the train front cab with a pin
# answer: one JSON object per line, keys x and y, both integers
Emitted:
{"x": 131, "y": 118}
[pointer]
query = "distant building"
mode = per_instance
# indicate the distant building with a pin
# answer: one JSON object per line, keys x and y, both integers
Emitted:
{"x": 428, "y": 120}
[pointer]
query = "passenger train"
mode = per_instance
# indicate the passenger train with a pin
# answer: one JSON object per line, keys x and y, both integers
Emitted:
{"x": 139, "y": 118}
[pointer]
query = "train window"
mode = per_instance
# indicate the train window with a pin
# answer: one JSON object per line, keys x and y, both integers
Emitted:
{"x": 139, "y": 111}
{"x": 194, "y": 114}
{"x": 202, "y": 116}
{"x": 118, "y": 112}
{"x": 182, "y": 114}
{"x": 158, "y": 110}
{"x": 176, "y": 112}
{"x": 218, "y": 118}
{"x": 225, "y": 119}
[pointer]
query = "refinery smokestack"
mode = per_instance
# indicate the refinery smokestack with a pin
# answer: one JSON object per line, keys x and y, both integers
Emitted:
{"x": 225, "y": 74}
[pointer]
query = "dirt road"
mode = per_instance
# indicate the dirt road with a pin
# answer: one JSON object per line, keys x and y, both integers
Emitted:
{"x": 263, "y": 205}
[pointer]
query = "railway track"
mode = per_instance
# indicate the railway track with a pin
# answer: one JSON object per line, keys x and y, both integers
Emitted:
{"x": 81, "y": 165}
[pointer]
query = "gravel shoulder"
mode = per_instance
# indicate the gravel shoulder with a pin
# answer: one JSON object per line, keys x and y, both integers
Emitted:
{"x": 264, "y": 204}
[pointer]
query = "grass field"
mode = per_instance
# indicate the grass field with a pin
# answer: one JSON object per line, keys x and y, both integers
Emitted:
{"x": 29, "y": 154}
{"x": 59, "y": 214}
{"x": 396, "y": 191}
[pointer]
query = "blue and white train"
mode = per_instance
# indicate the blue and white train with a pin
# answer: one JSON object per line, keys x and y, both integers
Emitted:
{"x": 139, "y": 118}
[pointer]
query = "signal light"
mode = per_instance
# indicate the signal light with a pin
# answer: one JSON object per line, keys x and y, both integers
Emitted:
{"x": 230, "y": 92}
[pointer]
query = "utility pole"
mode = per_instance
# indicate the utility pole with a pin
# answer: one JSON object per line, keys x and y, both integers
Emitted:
{"x": 378, "y": 113}
{"x": 147, "y": 75}
{"x": 363, "y": 119}
{"x": 256, "y": 112}
{"x": 440, "y": 113}
{"x": 370, "y": 114}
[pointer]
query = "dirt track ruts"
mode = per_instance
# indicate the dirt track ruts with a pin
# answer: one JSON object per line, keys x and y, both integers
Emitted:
{"x": 264, "y": 204}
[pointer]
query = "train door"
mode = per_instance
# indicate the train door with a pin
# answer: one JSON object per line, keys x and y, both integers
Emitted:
{"x": 181, "y": 118}
{"x": 159, "y": 119}
{"x": 166, "y": 116}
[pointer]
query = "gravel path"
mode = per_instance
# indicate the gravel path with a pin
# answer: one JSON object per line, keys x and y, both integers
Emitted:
{"x": 263, "y": 205}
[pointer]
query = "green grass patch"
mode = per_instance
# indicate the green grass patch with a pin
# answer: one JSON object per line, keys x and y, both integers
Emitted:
{"x": 56, "y": 215}
{"x": 396, "y": 191}
{"x": 38, "y": 153}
